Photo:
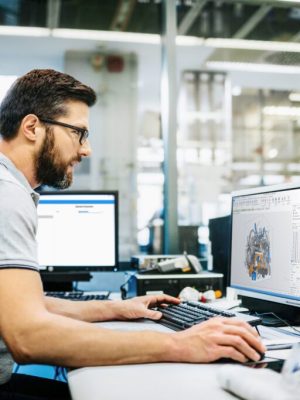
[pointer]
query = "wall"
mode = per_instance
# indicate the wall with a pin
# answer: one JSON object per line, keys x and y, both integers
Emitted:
{"x": 19, "y": 54}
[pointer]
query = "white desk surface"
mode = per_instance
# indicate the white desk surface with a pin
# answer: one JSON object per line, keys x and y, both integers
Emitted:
{"x": 166, "y": 381}
{"x": 147, "y": 382}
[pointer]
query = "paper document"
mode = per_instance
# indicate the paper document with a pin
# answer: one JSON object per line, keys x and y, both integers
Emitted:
{"x": 289, "y": 330}
{"x": 277, "y": 334}
{"x": 278, "y": 342}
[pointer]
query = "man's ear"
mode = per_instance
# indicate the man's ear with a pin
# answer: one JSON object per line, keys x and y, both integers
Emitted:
{"x": 29, "y": 125}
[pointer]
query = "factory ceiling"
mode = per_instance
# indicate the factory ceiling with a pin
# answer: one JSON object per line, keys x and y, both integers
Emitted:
{"x": 240, "y": 19}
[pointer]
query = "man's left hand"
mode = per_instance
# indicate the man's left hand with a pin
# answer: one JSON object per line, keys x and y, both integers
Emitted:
{"x": 140, "y": 307}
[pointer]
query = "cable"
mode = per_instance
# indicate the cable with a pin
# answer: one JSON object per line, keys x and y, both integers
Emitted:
{"x": 60, "y": 374}
{"x": 282, "y": 320}
{"x": 16, "y": 368}
{"x": 274, "y": 358}
{"x": 124, "y": 289}
{"x": 75, "y": 287}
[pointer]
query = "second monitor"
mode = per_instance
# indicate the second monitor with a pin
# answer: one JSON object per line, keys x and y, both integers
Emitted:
{"x": 265, "y": 249}
{"x": 78, "y": 231}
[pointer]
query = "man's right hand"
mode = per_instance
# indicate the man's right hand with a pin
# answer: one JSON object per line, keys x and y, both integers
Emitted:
{"x": 219, "y": 338}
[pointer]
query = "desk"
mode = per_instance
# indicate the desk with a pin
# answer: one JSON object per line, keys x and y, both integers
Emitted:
{"x": 147, "y": 382}
{"x": 166, "y": 381}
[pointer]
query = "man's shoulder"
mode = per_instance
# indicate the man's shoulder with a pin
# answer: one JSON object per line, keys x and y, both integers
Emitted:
{"x": 8, "y": 180}
{"x": 6, "y": 176}
{"x": 12, "y": 192}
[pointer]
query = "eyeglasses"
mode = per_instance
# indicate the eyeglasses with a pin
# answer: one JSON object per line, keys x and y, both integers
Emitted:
{"x": 82, "y": 132}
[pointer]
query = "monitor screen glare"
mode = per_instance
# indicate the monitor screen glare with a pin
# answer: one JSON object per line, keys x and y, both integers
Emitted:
{"x": 265, "y": 248}
{"x": 77, "y": 230}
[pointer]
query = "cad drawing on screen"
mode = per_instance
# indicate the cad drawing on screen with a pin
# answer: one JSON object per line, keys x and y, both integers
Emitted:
{"x": 258, "y": 253}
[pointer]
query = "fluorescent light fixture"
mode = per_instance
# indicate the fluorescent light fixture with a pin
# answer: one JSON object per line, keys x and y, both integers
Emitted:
{"x": 109, "y": 36}
{"x": 190, "y": 41}
{"x": 203, "y": 116}
{"x": 282, "y": 111}
{"x": 236, "y": 91}
{"x": 272, "y": 153}
{"x": 294, "y": 96}
{"x": 252, "y": 67}
{"x": 253, "y": 45}
{"x": 23, "y": 31}
{"x": 129, "y": 37}
{"x": 147, "y": 38}
{"x": 289, "y": 1}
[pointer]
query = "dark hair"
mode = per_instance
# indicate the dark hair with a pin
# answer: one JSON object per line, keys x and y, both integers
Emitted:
{"x": 43, "y": 92}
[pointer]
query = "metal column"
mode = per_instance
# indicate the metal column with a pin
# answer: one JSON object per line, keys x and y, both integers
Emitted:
{"x": 169, "y": 123}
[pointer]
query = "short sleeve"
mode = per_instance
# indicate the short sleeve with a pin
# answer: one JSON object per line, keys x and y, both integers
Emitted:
{"x": 18, "y": 225}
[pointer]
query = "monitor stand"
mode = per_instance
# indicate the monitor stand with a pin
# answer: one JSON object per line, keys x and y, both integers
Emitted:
{"x": 268, "y": 311}
{"x": 63, "y": 281}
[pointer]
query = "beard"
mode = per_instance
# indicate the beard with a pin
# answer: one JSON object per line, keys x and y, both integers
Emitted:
{"x": 50, "y": 169}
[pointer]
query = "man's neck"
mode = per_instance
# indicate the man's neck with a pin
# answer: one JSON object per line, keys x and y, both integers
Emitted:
{"x": 22, "y": 160}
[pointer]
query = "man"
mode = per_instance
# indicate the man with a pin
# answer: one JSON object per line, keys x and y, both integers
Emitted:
{"x": 44, "y": 129}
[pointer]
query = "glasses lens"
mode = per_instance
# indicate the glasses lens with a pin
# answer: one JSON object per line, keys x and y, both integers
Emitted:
{"x": 83, "y": 136}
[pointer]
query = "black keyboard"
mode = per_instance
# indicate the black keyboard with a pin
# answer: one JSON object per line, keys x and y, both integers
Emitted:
{"x": 189, "y": 313}
{"x": 79, "y": 295}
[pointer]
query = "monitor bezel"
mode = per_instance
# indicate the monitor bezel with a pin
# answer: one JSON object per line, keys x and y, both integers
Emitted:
{"x": 252, "y": 294}
{"x": 79, "y": 269}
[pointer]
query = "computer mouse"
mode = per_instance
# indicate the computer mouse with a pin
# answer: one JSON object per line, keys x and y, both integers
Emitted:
{"x": 230, "y": 360}
{"x": 262, "y": 356}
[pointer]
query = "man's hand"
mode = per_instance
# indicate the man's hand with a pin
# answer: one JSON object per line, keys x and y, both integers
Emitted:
{"x": 219, "y": 338}
{"x": 139, "y": 307}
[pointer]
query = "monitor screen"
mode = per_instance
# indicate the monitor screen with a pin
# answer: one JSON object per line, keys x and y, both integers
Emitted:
{"x": 78, "y": 231}
{"x": 265, "y": 244}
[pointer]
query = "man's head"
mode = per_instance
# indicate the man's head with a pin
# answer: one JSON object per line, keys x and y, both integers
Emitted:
{"x": 55, "y": 105}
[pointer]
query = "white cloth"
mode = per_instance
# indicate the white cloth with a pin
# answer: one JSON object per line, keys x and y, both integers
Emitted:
{"x": 255, "y": 384}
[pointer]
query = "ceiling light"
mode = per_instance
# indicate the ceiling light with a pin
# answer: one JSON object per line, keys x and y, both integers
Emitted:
{"x": 190, "y": 41}
{"x": 203, "y": 116}
{"x": 123, "y": 37}
{"x": 109, "y": 36}
{"x": 252, "y": 67}
{"x": 282, "y": 111}
{"x": 289, "y": 1}
{"x": 272, "y": 153}
{"x": 253, "y": 45}
{"x": 150, "y": 38}
{"x": 23, "y": 31}
{"x": 236, "y": 91}
{"x": 294, "y": 96}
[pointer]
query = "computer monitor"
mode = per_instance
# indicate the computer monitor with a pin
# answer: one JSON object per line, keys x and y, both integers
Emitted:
{"x": 78, "y": 231}
{"x": 265, "y": 247}
{"x": 188, "y": 239}
{"x": 219, "y": 235}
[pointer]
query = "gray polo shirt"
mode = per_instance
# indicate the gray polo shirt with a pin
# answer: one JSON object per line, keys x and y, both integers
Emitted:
{"x": 18, "y": 225}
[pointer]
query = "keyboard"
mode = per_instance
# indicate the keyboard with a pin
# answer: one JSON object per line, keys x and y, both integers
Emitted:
{"x": 79, "y": 295}
{"x": 189, "y": 313}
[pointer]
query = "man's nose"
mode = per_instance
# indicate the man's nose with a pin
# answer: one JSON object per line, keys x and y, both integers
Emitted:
{"x": 85, "y": 149}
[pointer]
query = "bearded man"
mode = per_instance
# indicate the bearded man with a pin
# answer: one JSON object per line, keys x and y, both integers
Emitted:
{"x": 44, "y": 122}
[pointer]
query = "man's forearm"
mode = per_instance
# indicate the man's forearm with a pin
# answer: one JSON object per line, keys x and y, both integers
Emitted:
{"x": 89, "y": 311}
{"x": 86, "y": 344}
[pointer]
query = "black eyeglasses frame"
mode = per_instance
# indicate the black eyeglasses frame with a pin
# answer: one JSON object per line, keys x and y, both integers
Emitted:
{"x": 84, "y": 133}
